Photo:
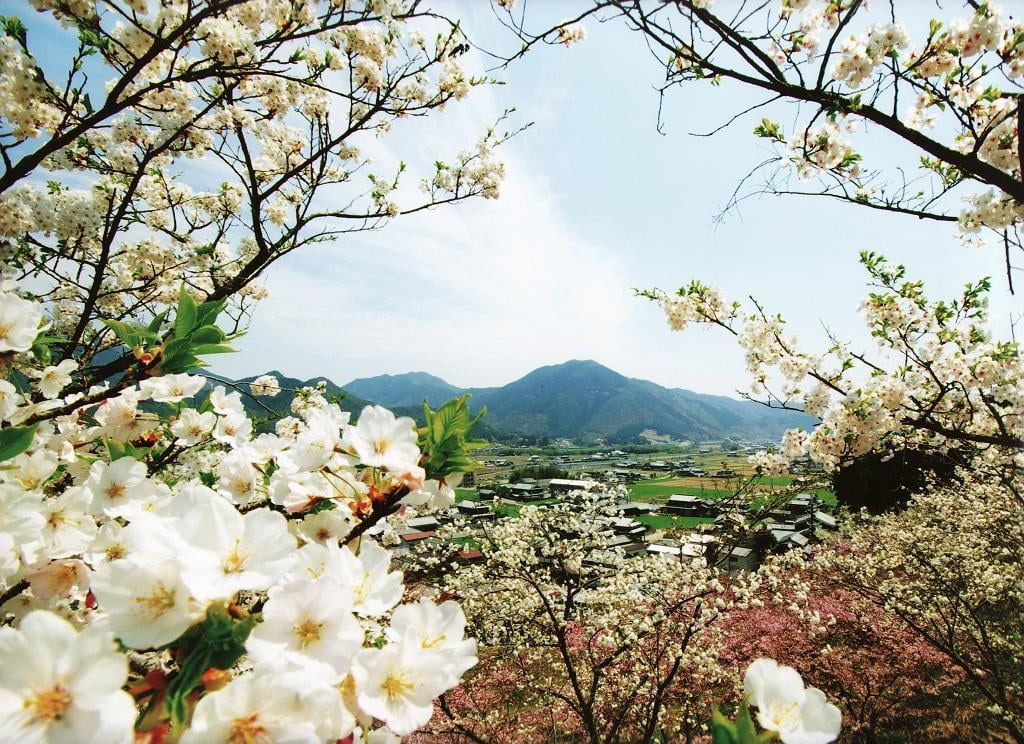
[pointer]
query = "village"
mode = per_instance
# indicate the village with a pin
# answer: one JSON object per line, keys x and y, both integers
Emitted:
{"x": 699, "y": 503}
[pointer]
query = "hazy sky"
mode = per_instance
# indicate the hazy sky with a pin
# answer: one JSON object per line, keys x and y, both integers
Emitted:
{"x": 596, "y": 203}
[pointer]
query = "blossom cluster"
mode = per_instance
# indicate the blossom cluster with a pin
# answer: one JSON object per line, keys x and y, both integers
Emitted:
{"x": 848, "y": 62}
{"x": 938, "y": 379}
{"x": 862, "y": 54}
{"x": 276, "y": 98}
{"x": 155, "y": 514}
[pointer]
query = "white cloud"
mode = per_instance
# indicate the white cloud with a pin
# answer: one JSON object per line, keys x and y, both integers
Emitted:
{"x": 480, "y": 292}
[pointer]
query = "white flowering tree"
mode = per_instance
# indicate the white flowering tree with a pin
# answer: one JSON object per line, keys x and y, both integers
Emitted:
{"x": 950, "y": 90}
{"x": 166, "y": 570}
{"x": 196, "y": 143}
{"x": 951, "y": 566}
{"x": 578, "y": 641}
{"x": 581, "y": 641}
{"x": 937, "y": 378}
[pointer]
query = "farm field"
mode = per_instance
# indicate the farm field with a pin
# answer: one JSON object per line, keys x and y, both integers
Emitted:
{"x": 659, "y": 489}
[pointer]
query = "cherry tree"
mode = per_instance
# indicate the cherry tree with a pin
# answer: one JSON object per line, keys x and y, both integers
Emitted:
{"x": 170, "y": 567}
{"x": 937, "y": 379}
{"x": 948, "y": 89}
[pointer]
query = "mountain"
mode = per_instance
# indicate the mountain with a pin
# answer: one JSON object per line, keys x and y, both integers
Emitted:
{"x": 280, "y": 404}
{"x": 575, "y": 400}
{"x": 409, "y": 389}
{"x": 583, "y": 399}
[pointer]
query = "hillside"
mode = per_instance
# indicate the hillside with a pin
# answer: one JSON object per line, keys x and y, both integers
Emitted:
{"x": 409, "y": 389}
{"x": 579, "y": 399}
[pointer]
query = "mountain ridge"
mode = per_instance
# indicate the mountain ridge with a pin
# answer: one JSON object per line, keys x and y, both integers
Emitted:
{"x": 584, "y": 399}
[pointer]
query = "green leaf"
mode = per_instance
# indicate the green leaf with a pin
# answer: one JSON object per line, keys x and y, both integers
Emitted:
{"x": 207, "y": 334}
{"x": 207, "y": 313}
{"x": 321, "y": 506}
{"x": 175, "y": 348}
{"x": 444, "y": 438}
{"x": 12, "y": 26}
{"x": 41, "y": 352}
{"x": 212, "y": 349}
{"x": 158, "y": 319}
{"x": 131, "y": 335}
{"x": 722, "y": 729}
{"x": 745, "y": 730}
{"x": 15, "y": 440}
{"x": 114, "y": 449}
{"x": 219, "y": 642}
{"x": 185, "y": 319}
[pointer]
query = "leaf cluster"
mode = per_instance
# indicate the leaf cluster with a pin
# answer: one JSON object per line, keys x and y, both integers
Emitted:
{"x": 740, "y": 731}
{"x": 445, "y": 438}
{"x": 193, "y": 335}
{"x": 218, "y": 642}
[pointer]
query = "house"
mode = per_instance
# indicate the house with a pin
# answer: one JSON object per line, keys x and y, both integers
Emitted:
{"x": 564, "y": 485}
{"x": 731, "y": 519}
{"x": 629, "y": 527}
{"x": 804, "y": 503}
{"x": 825, "y": 520}
{"x": 658, "y": 465}
{"x": 525, "y": 491}
{"x": 469, "y": 555}
{"x": 659, "y": 549}
{"x": 724, "y": 473}
{"x": 630, "y": 548}
{"x": 409, "y": 539}
{"x": 469, "y": 508}
{"x": 422, "y": 524}
{"x": 634, "y": 508}
{"x": 699, "y": 545}
{"x": 626, "y": 476}
{"x": 785, "y": 539}
{"x": 486, "y": 494}
{"x": 689, "y": 506}
{"x": 742, "y": 559}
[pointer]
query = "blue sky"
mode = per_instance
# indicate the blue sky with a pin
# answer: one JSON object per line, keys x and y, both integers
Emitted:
{"x": 597, "y": 202}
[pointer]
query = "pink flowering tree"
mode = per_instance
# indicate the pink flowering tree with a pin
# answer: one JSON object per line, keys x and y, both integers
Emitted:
{"x": 884, "y": 677}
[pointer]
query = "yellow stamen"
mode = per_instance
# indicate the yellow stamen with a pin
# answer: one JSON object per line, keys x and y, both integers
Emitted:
{"x": 433, "y": 642}
{"x": 115, "y": 491}
{"x": 308, "y": 632}
{"x": 395, "y": 685}
{"x": 159, "y": 601}
{"x": 248, "y": 730}
{"x": 49, "y": 706}
{"x": 235, "y": 561}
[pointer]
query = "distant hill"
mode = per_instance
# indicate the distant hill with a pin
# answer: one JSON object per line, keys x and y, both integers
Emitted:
{"x": 581, "y": 399}
{"x": 409, "y": 389}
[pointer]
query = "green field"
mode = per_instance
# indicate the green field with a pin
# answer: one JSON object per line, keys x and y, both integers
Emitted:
{"x": 659, "y": 490}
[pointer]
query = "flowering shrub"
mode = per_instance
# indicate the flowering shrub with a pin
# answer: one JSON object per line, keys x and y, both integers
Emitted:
{"x": 950, "y": 567}
{"x": 887, "y": 679}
